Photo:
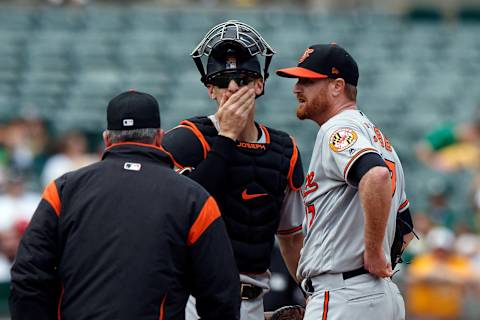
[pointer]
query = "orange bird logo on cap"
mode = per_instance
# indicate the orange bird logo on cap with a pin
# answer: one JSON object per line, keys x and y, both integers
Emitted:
{"x": 305, "y": 55}
{"x": 335, "y": 71}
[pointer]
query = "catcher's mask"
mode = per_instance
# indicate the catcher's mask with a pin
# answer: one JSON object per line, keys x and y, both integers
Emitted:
{"x": 232, "y": 48}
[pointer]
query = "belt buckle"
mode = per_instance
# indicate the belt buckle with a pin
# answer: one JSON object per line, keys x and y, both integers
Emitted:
{"x": 242, "y": 286}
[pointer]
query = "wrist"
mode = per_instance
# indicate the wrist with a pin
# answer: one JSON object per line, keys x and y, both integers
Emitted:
{"x": 229, "y": 135}
{"x": 371, "y": 250}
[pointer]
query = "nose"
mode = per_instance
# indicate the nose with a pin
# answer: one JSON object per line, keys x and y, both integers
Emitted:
{"x": 233, "y": 86}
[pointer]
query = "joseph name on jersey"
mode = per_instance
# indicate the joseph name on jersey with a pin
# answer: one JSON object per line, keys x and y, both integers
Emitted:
{"x": 334, "y": 221}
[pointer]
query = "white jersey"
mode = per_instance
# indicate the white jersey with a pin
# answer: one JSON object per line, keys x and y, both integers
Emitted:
{"x": 334, "y": 223}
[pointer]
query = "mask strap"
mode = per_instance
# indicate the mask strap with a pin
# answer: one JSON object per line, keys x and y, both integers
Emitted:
{"x": 198, "y": 63}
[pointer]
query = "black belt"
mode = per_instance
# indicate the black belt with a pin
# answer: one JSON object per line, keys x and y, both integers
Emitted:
{"x": 354, "y": 273}
{"x": 345, "y": 275}
{"x": 249, "y": 291}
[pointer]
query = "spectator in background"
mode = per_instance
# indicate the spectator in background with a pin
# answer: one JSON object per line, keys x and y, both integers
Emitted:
{"x": 24, "y": 142}
{"x": 438, "y": 278}
{"x": 73, "y": 155}
{"x": 451, "y": 146}
{"x": 9, "y": 241}
{"x": 16, "y": 209}
{"x": 439, "y": 209}
{"x": 16, "y": 204}
{"x": 423, "y": 224}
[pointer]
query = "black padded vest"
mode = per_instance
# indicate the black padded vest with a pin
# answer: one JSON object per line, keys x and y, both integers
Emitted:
{"x": 257, "y": 181}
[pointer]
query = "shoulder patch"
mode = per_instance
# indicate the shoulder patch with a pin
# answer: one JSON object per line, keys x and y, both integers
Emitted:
{"x": 342, "y": 139}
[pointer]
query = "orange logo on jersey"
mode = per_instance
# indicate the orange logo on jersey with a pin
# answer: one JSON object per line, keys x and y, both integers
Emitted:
{"x": 249, "y": 145}
{"x": 305, "y": 55}
{"x": 335, "y": 71}
{"x": 310, "y": 184}
{"x": 246, "y": 196}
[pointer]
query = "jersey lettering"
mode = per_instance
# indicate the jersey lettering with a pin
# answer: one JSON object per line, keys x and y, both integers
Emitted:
{"x": 310, "y": 214}
{"x": 248, "y": 145}
{"x": 379, "y": 137}
{"x": 310, "y": 184}
{"x": 393, "y": 174}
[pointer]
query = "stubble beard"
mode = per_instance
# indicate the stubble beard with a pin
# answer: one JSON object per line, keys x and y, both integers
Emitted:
{"x": 310, "y": 109}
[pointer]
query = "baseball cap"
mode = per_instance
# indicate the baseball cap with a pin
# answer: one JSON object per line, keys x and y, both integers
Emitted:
{"x": 133, "y": 110}
{"x": 440, "y": 238}
{"x": 324, "y": 61}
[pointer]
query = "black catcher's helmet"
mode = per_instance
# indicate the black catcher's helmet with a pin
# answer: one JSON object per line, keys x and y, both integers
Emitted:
{"x": 232, "y": 47}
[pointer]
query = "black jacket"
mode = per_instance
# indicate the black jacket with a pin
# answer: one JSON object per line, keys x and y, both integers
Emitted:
{"x": 125, "y": 238}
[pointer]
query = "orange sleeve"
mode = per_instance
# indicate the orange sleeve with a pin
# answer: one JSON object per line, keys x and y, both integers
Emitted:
{"x": 207, "y": 216}
{"x": 50, "y": 194}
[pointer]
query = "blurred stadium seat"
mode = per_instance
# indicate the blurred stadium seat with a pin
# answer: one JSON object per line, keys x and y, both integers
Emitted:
{"x": 67, "y": 61}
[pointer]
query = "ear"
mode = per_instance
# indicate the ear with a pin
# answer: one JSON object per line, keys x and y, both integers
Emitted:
{"x": 258, "y": 86}
{"x": 211, "y": 92}
{"x": 158, "y": 137}
{"x": 338, "y": 87}
{"x": 106, "y": 139}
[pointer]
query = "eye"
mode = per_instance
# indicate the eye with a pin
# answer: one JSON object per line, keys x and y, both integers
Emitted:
{"x": 305, "y": 81}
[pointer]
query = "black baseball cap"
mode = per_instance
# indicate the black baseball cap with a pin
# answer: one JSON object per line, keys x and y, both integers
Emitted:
{"x": 133, "y": 110}
{"x": 324, "y": 61}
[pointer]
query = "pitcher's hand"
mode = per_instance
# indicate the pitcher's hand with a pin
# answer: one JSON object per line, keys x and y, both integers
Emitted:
{"x": 376, "y": 263}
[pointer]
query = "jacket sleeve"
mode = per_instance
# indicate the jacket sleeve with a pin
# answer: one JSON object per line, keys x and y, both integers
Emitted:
{"x": 35, "y": 286}
{"x": 208, "y": 168}
{"x": 215, "y": 278}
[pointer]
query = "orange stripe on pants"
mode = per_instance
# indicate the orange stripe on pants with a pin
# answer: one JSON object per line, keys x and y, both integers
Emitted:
{"x": 325, "y": 305}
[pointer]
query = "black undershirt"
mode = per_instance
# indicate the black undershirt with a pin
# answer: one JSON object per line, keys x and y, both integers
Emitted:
{"x": 362, "y": 165}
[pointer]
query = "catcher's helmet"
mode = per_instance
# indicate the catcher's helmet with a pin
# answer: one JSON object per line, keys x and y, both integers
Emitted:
{"x": 232, "y": 47}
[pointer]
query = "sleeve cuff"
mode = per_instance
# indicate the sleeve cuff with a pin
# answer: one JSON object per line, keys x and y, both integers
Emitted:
{"x": 290, "y": 232}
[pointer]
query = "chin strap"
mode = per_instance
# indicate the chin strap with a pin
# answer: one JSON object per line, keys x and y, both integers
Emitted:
{"x": 268, "y": 59}
{"x": 198, "y": 63}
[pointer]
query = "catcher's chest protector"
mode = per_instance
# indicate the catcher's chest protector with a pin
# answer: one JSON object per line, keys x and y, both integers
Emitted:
{"x": 258, "y": 178}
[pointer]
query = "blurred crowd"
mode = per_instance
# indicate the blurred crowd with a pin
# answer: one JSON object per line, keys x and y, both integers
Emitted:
{"x": 442, "y": 280}
{"x": 30, "y": 157}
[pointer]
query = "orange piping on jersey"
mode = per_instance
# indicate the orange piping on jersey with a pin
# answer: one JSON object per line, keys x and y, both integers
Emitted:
{"x": 207, "y": 216}
{"x": 203, "y": 141}
{"x": 59, "y": 316}
{"x": 148, "y": 146}
{"x": 403, "y": 205}
{"x": 289, "y": 231}
{"x": 51, "y": 196}
{"x": 162, "y": 307}
{"x": 175, "y": 163}
{"x": 358, "y": 154}
{"x": 293, "y": 161}
{"x": 325, "y": 305}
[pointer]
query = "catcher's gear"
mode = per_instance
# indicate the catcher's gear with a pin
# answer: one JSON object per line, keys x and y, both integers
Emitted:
{"x": 295, "y": 312}
{"x": 232, "y": 46}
